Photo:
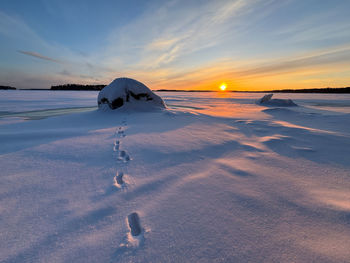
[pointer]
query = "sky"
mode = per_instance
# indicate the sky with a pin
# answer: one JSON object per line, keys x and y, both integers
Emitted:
{"x": 247, "y": 44}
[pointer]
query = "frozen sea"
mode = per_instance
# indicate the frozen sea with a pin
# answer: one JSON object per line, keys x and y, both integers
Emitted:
{"x": 213, "y": 178}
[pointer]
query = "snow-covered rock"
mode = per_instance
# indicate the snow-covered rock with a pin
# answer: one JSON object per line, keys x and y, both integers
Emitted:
{"x": 268, "y": 101}
{"x": 130, "y": 93}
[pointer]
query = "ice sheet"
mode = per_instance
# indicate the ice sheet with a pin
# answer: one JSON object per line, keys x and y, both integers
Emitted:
{"x": 215, "y": 178}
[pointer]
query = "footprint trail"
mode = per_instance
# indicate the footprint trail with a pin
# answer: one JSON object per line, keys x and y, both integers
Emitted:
{"x": 135, "y": 235}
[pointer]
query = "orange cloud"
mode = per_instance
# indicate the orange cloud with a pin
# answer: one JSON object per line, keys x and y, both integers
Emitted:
{"x": 318, "y": 69}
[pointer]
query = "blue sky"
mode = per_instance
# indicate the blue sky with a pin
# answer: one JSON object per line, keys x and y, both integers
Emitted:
{"x": 249, "y": 44}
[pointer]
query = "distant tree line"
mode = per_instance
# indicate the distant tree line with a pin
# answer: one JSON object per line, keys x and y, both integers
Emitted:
{"x": 7, "y": 87}
{"x": 77, "y": 87}
{"x": 324, "y": 90}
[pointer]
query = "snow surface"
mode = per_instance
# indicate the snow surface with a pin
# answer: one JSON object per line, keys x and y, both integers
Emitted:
{"x": 214, "y": 178}
{"x": 128, "y": 93}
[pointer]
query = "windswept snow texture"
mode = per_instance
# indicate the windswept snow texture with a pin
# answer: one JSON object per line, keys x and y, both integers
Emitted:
{"x": 268, "y": 101}
{"x": 130, "y": 93}
{"x": 214, "y": 178}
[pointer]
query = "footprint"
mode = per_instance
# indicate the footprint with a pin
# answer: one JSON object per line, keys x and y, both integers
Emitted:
{"x": 135, "y": 237}
{"x": 120, "y": 133}
{"x": 116, "y": 146}
{"x": 118, "y": 179}
{"x": 134, "y": 224}
{"x": 123, "y": 156}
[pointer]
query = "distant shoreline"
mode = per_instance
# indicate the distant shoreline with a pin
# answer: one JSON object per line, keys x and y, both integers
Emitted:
{"x": 322, "y": 90}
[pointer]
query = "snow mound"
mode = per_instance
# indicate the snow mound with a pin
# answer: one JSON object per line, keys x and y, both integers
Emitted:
{"x": 130, "y": 93}
{"x": 268, "y": 101}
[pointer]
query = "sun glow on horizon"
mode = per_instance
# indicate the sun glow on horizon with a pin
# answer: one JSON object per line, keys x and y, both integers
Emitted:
{"x": 223, "y": 87}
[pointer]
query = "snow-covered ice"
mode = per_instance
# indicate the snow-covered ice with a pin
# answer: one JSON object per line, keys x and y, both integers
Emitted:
{"x": 212, "y": 178}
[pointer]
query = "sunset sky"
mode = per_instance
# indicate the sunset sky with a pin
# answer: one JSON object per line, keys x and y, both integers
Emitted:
{"x": 248, "y": 44}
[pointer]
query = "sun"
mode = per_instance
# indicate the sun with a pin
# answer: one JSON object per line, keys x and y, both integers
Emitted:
{"x": 223, "y": 87}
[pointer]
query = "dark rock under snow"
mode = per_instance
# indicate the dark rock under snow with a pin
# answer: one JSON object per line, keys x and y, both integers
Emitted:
{"x": 128, "y": 93}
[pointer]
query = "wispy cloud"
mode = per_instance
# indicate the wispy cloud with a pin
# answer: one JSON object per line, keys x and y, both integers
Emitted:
{"x": 37, "y": 55}
{"x": 13, "y": 27}
{"x": 325, "y": 24}
{"x": 321, "y": 58}
{"x": 185, "y": 46}
{"x": 18, "y": 37}
{"x": 65, "y": 73}
{"x": 291, "y": 72}
{"x": 173, "y": 31}
{"x": 195, "y": 44}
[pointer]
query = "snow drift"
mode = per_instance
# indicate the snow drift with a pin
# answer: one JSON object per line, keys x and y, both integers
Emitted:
{"x": 126, "y": 92}
{"x": 268, "y": 101}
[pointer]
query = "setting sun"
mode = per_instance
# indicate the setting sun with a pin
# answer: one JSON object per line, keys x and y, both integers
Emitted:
{"x": 223, "y": 86}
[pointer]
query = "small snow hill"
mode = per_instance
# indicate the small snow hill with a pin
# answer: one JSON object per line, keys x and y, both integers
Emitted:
{"x": 268, "y": 101}
{"x": 128, "y": 93}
